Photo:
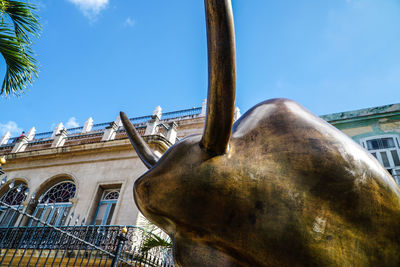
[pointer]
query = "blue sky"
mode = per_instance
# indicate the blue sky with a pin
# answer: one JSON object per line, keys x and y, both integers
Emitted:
{"x": 98, "y": 57}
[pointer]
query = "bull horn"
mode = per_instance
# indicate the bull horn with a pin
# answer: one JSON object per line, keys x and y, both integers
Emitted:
{"x": 221, "y": 76}
{"x": 142, "y": 149}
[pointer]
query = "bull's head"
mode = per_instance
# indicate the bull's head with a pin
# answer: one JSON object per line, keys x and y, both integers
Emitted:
{"x": 285, "y": 189}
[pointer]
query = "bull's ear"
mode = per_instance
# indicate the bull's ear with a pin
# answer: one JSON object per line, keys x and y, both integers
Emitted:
{"x": 142, "y": 149}
{"x": 221, "y": 76}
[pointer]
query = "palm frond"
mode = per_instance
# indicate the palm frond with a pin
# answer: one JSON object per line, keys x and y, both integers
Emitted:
{"x": 152, "y": 240}
{"x": 15, "y": 44}
{"x": 24, "y": 19}
{"x": 21, "y": 68}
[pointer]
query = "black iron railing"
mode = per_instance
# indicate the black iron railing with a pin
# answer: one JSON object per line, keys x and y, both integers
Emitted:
{"x": 75, "y": 130}
{"x": 95, "y": 245}
{"x": 43, "y": 244}
{"x": 44, "y": 135}
{"x": 140, "y": 120}
{"x": 100, "y": 127}
{"x": 181, "y": 113}
{"x": 46, "y": 237}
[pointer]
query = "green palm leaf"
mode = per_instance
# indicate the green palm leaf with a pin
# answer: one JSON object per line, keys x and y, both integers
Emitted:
{"x": 15, "y": 45}
{"x": 152, "y": 240}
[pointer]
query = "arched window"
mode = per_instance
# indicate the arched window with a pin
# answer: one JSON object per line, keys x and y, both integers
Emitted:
{"x": 16, "y": 194}
{"x": 106, "y": 207}
{"x": 386, "y": 149}
{"x": 54, "y": 205}
{"x": 111, "y": 195}
{"x": 59, "y": 193}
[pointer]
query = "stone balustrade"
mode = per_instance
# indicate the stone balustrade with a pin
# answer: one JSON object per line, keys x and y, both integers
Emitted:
{"x": 162, "y": 124}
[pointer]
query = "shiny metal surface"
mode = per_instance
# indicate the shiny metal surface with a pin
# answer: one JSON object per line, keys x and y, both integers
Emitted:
{"x": 142, "y": 149}
{"x": 291, "y": 190}
{"x": 221, "y": 76}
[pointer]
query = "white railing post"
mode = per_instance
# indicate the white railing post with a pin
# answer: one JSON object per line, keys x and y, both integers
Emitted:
{"x": 111, "y": 130}
{"x": 151, "y": 125}
{"x": 31, "y": 134}
{"x": 87, "y": 127}
{"x": 172, "y": 132}
{"x": 203, "y": 108}
{"x": 60, "y": 138}
{"x": 157, "y": 112}
{"x": 57, "y": 130}
{"x": 5, "y": 138}
{"x": 237, "y": 114}
{"x": 20, "y": 145}
{"x": 118, "y": 121}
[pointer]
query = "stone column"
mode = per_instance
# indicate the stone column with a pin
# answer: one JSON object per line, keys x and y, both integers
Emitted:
{"x": 60, "y": 138}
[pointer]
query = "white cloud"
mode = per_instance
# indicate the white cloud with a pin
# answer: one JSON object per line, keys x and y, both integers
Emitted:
{"x": 90, "y": 8}
{"x": 11, "y": 127}
{"x": 129, "y": 22}
{"x": 72, "y": 123}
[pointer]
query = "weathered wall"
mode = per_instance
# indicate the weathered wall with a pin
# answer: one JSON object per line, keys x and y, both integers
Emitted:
{"x": 101, "y": 164}
{"x": 368, "y": 122}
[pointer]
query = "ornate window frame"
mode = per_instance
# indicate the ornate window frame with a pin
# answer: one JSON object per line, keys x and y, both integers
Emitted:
{"x": 54, "y": 211}
{"x": 16, "y": 195}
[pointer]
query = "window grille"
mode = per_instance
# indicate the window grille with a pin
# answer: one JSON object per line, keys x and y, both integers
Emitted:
{"x": 59, "y": 193}
{"x": 386, "y": 150}
{"x": 108, "y": 195}
{"x": 54, "y": 205}
{"x": 15, "y": 196}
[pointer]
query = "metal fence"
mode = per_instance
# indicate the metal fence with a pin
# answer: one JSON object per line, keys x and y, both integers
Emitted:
{"x": 74, "y": 244}
{"x": 100, "y": 127}
{"x": 181, "y": 113}
{"x": 44, "y": 135}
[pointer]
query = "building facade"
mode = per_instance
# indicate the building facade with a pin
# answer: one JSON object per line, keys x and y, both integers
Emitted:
{"x": 89, "y": 171}
{"x": 377, "y": 130}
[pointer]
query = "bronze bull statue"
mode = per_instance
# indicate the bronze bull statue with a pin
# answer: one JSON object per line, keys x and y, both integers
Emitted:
{"x": 285, "y": 189}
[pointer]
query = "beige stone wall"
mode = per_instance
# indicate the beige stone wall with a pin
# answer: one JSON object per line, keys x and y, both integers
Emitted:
{"x": 94, "y": 166}
{"x": 189, "y": 127}
{"x": 90, "y": 168}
